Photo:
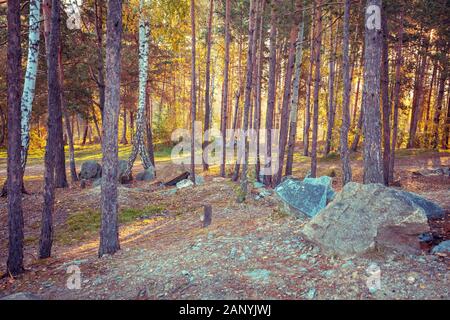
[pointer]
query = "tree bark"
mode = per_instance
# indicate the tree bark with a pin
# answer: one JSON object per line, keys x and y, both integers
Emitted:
{"x": 30, "y": 76}
{"x": 385, "y": 99}
{"x": 373, "y": 161}
{"x": 52, "y": 148}
{"x": 284, "y": 124}
{"x": 295, "y": 95}
{"x": 193, "y": 91}
{"x": 139, "y": 137}
{"x": 15, "y": 173}
{"x": 439, "y": 107}
{"x": 207, "y": 85}
{"x": 317, "y": 57}
{"x": 98, "y": 4}
{"x": 254, "y": 5}
{"x": 331, "y": 97}
{"x": 307, "y": 126}
{"x": 73, "y": 168}
{"x": 271, "y": 93}
{"x": 345, "y": 154}
{"x": 109, "y": 233}
{"x": 224, "y": 111}
{"x": 428, "y": 114}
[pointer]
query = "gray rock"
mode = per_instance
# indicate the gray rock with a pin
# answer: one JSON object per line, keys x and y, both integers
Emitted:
{"x": 308, "y": 197}
{"x": 21, "y": 296}
{"x": 366, "y": 217}
{"x": 199, "y": 180}
{"x": 185, "y": 184}
{"x": 258, "y": 275}
{"x": 258, "y": 185}
{"x": 90, "y": 170}
{"x": 146, "y": 175}
{"x": 323, "y": 181}
{"x": 123, "y": 164}
{"x": 432, "y": 210}
{"x": 311, "y": 294}
{"x": 442, "y": 249}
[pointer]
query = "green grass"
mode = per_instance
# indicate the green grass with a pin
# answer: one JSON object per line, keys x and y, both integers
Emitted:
{"x": 87, "y": 223}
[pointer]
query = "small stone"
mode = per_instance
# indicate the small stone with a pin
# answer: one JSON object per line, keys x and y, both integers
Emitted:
{"x": 311, "y": 294}
{"x": 185, "y": 184}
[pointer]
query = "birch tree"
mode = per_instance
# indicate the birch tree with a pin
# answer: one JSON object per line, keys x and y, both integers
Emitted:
{"x": 30, "y": 76}
{"x": 295, "y": 94}
{"x": 139, "y": 137}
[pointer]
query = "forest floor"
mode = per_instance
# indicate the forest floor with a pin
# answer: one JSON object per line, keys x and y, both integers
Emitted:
{"x": 250, "y": 251}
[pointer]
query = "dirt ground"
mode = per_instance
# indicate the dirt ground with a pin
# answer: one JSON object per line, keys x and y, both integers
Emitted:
{"x": 250, "y": 251}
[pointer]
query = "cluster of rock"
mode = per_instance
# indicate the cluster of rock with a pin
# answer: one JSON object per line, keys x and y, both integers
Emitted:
{"x": 92, "y": 171}
{"x": 361, "y": 218}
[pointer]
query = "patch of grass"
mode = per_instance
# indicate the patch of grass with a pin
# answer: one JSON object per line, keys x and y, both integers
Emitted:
{"x": 86, "y": 223}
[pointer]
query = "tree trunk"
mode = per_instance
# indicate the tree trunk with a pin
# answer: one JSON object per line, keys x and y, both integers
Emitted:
{"x": 271, "y": 94}
{"x": 100, "y": 64}
{"x": 317, "y": 57}
{"x": 149, "y": 127}
{"x": 373, "y": 161}
{"x": 345, "y": 154}
{"x": 385, "y": 98}
{"x": 139, "y": 138}
{"x": 207, "y": 85}
{"x": 60, "y": 179}
{"x": 446, "y": 135}
{"x": 30, "y": 76}
{"x": 258, "y": 94}
{"x": 124, "y": 139}
{"x": 417, "y": 100}
{"x": 295, "y": 95}
{"x": 15, "y": 172}
{"x": 307, "y": 126}
{"x": 224, "y": 111}
{"x": 109, "y": 233}
{"x": 73, "y": 168}
{"x": 331, "y": 102}
{"x": 193, "y": 91}
{"x": 284, "y": 124}
{"x": 52, "y": 148}
{"x": 428, "y": 114}
{"x": 254, "y": 5}
{"x": 439, "y": 103}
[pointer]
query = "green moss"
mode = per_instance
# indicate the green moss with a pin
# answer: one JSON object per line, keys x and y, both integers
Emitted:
{"x": 87, "y": 223}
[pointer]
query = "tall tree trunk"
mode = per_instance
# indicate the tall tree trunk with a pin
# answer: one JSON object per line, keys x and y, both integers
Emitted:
{"x": 109, "y": 233}
{"x": 428, "y": 114}
{"x": 15, "y": 173}
{"x": 307, "y": 126}
{"x": 254, "y": 5}
{"x": 124, "y": 139}
{"x": 207, "y": 85}
{"x": 224, "y": 111}
{"x": 317, "y": 57}
{"x": 271, "y": 93}
{"x": 54, "y": 103}
{"x": 60, "y": 178}
{"x": 149, "y": 127}
{"x": 258, "y": 93}
{"x": 73, "y": 168}
{"x": 284, "y": 124}
{"x": 139, "y": 138}
{"x": 193, "y": 91}
{"x": 385, "y": 98}
{"x": 417, "y": 100}
{"x": 98, "y": 4}
{"x": 30, "y": 76}
{"x": 345, "y": 154}
{"x": 331, "y": 100}
{"x": 373, "y": 161}
{"x": 295, "y": 95}
{"x": 439, "y": 103}
{"x": 446, "y": 135}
